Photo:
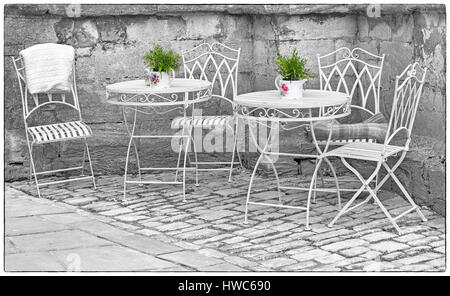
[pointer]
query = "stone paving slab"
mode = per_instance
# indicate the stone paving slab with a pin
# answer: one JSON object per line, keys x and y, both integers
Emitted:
{"x": 30, "y": 225}
{"x": 33, "y": 261}
{"x": 56, "y": 240}
{"x": 66, "y": 218}
{"x": 30, "y": 209}
{"x": 63, "y": 238}
{"x": 207, "y": 232}
{"x": 191, "y": 259}
{"x": 107, "y": 258}
{"x": 222, "y": 267}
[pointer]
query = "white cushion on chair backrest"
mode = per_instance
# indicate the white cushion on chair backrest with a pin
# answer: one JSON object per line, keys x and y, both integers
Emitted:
{"x": 48, "y": 67}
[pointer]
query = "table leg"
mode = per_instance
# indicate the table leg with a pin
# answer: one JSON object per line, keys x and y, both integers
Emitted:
{"x": 261, "y": 157}
{"x": 250, "y": 187}
{"x": 312, "y": 189}
{"x": 194, "y": 147}
{"x": 131, "y": 135}
{"x": 320, "y": 152}
{"x": 312, "y": 184}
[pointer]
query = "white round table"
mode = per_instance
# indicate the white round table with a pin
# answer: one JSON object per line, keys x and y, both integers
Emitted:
{"x": 269, "y": 109}
{"x": 137, "y": 96}
{"x": 136, "y": 93}
{"x": 314, "y": 106}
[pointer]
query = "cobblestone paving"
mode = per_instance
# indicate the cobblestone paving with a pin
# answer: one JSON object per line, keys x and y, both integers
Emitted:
{"x": 209, "y": 226}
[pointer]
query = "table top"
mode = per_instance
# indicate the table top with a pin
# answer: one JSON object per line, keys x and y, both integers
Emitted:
{"x": 179, "y": 85}
{"x": 311, "y": 99}
{"x": 315, "y": 105}
{"x": 136, "y": 93}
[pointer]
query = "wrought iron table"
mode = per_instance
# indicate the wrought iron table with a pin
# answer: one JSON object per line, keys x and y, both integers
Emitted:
{"x": 136, "y": 96}
{"x": 268, "y": 108}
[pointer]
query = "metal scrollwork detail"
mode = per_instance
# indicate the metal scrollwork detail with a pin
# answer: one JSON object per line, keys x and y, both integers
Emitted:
{"x": 271, "y": 112}
{"x": 333, "y": 110}
{"x": 205, "y": 93}
{"x": 148, "y": 98}
{"x": 293, "y": 114}
{"x": 350, "y": 54}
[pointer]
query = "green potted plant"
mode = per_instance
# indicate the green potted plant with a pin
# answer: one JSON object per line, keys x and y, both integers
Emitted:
{"x": 160, "y": 63}
{"x": 292, "y": 75}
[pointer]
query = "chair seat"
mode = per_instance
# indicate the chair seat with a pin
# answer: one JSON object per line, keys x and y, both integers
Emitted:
{"x": 365, "y": 151}
{"x": 59, "y": 131}
{"x": 203, "y": 121}
{"x": 371, "y": 130}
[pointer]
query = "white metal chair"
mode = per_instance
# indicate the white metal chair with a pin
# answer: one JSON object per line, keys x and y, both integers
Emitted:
{"x": 217, "y": 64}
{"x": 357, "y": 73}
{"x": 408, "y": 89}
{"x": 46, "y": 75}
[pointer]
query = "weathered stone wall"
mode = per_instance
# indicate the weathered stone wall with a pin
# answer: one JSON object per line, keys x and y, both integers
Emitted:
{"x": 110, "y": 40}
{"x": 418, "y": 36}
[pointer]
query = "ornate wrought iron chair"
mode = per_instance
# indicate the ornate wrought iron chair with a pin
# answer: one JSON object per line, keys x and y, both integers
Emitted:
{"x": 408, "y": 89}
{"x": 46, "y": 75}
{"x": 217, "y": 64}
{"x": 357, "y": 73}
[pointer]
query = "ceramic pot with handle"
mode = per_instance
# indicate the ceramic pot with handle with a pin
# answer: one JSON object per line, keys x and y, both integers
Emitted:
{"x": 157, "y": 79}
{"x": 290, "y": 89}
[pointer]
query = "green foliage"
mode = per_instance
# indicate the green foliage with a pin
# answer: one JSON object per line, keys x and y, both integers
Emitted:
{"x": 157, "y": 59}
{"x": 292, "y": 67}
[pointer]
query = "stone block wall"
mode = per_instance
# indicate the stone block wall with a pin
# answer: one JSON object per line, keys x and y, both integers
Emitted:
{"x": 111, "y": 39}
{"x": 403, "y": 38}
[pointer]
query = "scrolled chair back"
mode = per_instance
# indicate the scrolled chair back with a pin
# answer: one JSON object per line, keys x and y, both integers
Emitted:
{"x": 355, "y": 72}
{"x": 216, "y": 63}
{"x": 46, "y": 76}
{"x": 408, "y": 90}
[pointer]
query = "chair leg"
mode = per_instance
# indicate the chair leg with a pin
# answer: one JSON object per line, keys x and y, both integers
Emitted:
{"x": 232, "y": 161}
{"x": 365, "y": 185}
{"x": 385, "y": 211}
{"x": 234, "y": 150}
{"x": 346, "y": 206}
{"x": 333, "y": 171}
{"x": 237, "y": 144}
{"x": 377, "y": 181}
{"x": 408, "y": 197}
{"x": 30, "y": 150}
{"x": 90, "y": 163}
{"x": 84, "y": 159}
{"x": 30, "y": 169}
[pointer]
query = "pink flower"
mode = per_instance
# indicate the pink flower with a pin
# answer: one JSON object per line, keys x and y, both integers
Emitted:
{"x": 284, "y": 87}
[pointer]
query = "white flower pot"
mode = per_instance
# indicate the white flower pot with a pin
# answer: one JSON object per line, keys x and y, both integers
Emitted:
{"x": 290, "y": 89}
{"x": 157, "y": 79}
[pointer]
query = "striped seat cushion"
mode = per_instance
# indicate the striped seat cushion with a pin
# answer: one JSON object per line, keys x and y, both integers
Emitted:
{"x": 203, "y": 121}
{"x": 371, "y": 130}
{"x": 59, "y": 131}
